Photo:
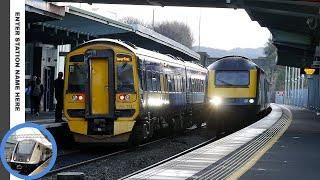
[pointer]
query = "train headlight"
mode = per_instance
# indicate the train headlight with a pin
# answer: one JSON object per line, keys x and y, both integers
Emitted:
{"x": 80, "y": 97}
{"x": 124, "y": 97}
{"x": 251, "y": 101}
{"x": 28, "y": 159}
{"x": 216, "y": 101}
{"x": 77, "y": 97}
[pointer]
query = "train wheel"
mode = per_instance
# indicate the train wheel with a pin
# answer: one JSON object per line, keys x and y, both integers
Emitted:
{"x": 181, "y": 125}
{"x": 141, "y": 132}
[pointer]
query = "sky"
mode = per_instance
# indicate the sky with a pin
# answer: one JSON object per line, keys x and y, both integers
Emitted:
{"x": 219, "y": 28}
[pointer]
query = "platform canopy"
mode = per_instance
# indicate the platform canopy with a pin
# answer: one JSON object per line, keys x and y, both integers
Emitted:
{"x": 51, "y": 24}
{"x": 294, "y": 24}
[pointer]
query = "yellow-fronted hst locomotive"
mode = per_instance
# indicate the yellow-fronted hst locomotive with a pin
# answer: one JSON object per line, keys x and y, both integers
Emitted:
{"x": 237, "y": 90}
{"x": 117, "y": 92}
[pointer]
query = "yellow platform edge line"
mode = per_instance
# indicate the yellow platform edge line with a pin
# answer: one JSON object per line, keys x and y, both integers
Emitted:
{"x": 254, "y": 159}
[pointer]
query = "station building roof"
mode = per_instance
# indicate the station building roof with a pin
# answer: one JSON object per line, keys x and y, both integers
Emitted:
{"x": 75, "y": 26}
{"x": 294, "y": 24}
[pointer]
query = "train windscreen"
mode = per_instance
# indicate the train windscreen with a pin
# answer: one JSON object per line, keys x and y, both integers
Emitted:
{"x": 25, "y": 147}
{"x": 232, "y": 78}
{"x": 77, "y": 78}
{"x": 125, "y": 77}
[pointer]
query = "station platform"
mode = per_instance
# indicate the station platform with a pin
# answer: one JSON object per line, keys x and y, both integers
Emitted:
{"x": 271, "y": 148}
{"x": 296, "y": 155}
{"x": 46, "y": 119}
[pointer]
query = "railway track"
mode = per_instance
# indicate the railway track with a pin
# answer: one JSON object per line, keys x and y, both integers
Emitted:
{"x": 87, "y": 161}
{"x": 73, "y": 154}
{"x": 95, "y": 157}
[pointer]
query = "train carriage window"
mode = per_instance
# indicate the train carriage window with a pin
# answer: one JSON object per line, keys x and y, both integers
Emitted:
{"x": 192, "y": 85}
{"x": 142, "y": 79}
{"x": 171, "y": 83}
{"x": 141, "y": 73}
{"x": 178, "y": 84}
{"x": 165, "y": 83}
{"x": 149, "y": 80}
{"x": 175, "y": 83}
{"x": 155, "y": 81}
{"x": 202, "y": 85}
{"x": 183, "y": 85}
{"x": 125, "y": 77}
{"x": 196, "y": 85}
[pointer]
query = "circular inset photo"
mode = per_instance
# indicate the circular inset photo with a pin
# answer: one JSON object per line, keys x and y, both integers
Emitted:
{"x": 28, "y": 151}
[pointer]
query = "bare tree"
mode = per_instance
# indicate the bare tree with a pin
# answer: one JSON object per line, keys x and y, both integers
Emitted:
{"x": 133, "y": 20}
{"x": 177, "y": 31}
{"x": 174, "y": 30}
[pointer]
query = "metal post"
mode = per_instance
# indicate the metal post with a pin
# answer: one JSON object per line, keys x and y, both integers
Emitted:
{"x": 288, "y": 88}
{"x": 299, "y": 90}
{"x": 302, "y": 87}
{"x": 285, "y": 85}
{"x": 292, "y": 86}
{"x": 296, "y": 87}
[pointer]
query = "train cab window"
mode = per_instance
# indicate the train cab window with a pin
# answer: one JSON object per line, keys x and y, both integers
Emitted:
{"x": 25, "y": 147}
{"x": 77, "y": 78}
{"x": 232, "y": 78}
{"x": 125, "y": 77}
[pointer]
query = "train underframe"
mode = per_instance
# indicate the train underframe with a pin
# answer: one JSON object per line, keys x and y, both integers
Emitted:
{"x": 24, "y": 168}
{"x": 231, "y": 117}
{"x": 175, "y": 122}
{"x": 147, "y": 124}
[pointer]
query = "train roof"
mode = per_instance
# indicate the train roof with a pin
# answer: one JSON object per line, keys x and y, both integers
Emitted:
{"x": 49, "y": 145}
{"x": 144, "y": 52}
{"x": 196, "y": 66}
{"x": 233, "y": 63}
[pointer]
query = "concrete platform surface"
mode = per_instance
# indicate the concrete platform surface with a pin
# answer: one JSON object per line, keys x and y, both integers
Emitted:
{"x": 296, "y": 155}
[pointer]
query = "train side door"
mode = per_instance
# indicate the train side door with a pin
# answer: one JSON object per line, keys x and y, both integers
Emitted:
{"x": 100, "y": 88}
